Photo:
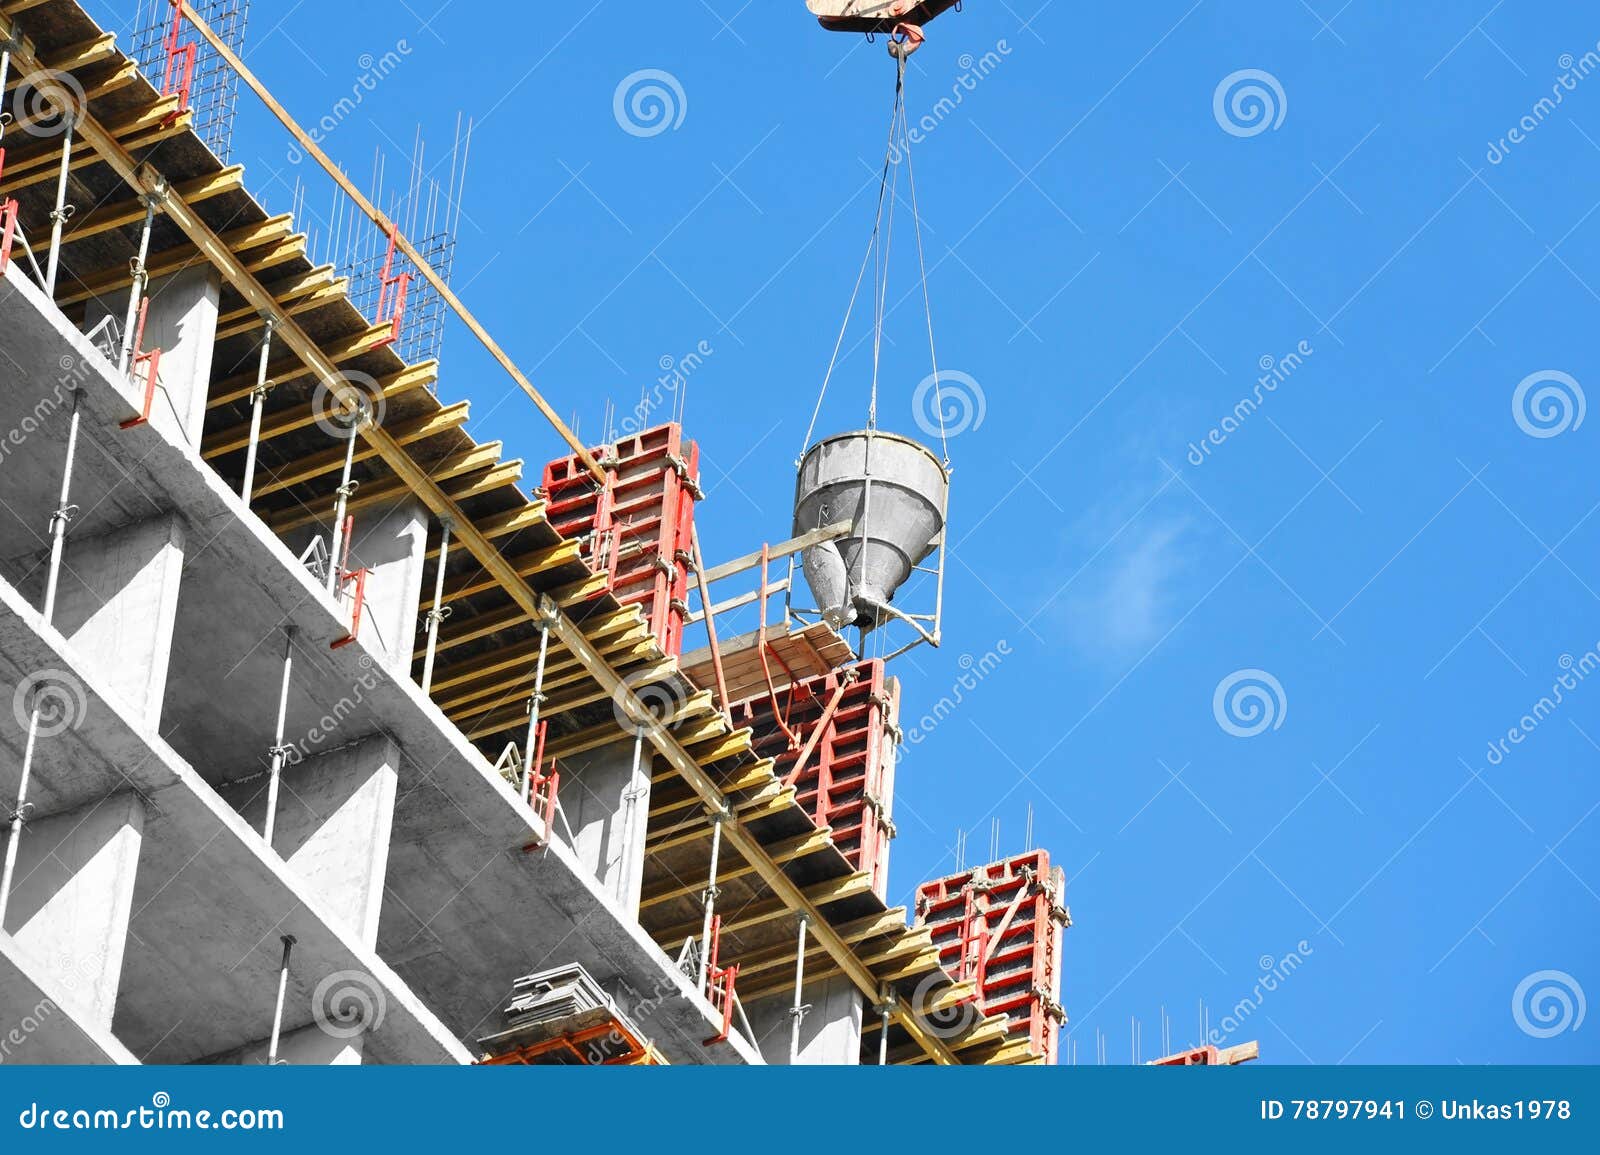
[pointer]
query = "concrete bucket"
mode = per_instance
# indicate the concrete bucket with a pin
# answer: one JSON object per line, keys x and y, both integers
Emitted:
{"x": 892, "y": 491}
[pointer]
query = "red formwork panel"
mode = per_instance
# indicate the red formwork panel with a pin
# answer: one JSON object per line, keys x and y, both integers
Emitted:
{"x": 999, "y": 926}
{"x": 847, "y": 782}
{"x": 636, "y": 526}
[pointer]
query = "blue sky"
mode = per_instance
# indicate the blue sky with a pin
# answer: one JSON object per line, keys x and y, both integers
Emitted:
{"x": 1112, "y": 265}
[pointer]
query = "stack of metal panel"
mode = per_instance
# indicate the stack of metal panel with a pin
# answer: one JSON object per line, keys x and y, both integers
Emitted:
{"x": 562, "y": 1016}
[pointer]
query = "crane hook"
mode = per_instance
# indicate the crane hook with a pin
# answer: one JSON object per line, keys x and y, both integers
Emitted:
{"x": 905, "y": 39}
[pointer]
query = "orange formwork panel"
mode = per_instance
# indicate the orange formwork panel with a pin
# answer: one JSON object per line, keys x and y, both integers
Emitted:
{"x": 844, "y": 727}
{"x": 637, "y": 526}
{"x": 998, "y": 926}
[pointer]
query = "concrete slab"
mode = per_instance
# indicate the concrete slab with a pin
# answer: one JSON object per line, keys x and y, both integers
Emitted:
{"x": 467, "y": 910}
{"x": 200, "y": 968}
{"x": 42, "y": 1020}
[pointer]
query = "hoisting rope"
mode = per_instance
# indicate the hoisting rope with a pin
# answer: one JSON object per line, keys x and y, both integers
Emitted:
{"x": 906, "y": 39}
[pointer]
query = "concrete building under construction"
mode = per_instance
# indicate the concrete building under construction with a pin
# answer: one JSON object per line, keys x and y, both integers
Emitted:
{"x": 337, "y": 738}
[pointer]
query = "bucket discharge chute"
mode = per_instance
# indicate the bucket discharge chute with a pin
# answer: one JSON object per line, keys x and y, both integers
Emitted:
{"x": 893, "y": 492}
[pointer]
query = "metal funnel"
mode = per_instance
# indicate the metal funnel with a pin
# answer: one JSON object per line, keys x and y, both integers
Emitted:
{"x": 893, "y": 492}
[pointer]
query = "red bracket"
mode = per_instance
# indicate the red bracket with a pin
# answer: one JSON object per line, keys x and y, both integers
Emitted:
{"x": 723, "y": 977}
{"x": 183, "y": 74}
{"x": 8, "y": 222}
{"x": 542, "y": 787}
{"x": 346, "y": 577}
{"x": 151, "y": 360}
{"x": 393, "y": 307}
{"x": 359, "y": 579}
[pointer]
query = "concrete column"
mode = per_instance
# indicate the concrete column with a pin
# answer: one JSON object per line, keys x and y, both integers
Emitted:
{"x": 390, "y": 542}
{"x": 311, "y": 1046}
{"x": 830, "y": 1033}
{"x": 118, "y": 603}
{"x": 74, "y": 896}
{"x": 182, "y": 323}
{"x": 335, "y": 816}
{"x": 607, "y": 806}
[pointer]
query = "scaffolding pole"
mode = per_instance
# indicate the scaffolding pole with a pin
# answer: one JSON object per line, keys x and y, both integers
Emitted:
{"x": 141, "y": 280}
{"x": 283, "y": 990}
{"x": 798, "y": 1011}
{"x": 258, "y": 404}
{"x": 534, "y": 703}
{"x": 279, "y": 752}
{"x": 340, "y": 505}
{"x": 710, "y": 899}
{"x": 58, "y": 533}
{"x": 439, "y": 612}
{"x": 58, "y": 218}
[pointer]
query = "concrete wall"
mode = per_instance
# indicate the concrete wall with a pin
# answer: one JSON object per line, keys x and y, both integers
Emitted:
{"x": 73, "y": 896}
{"x": 391, "y": 542}
{"x": 182, "y": 323}
{"x": 117, "y": 604}
{"x": 606, "y": 803}
{"x": 830, "y": 1032}
{"x": 335, "y": 818}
